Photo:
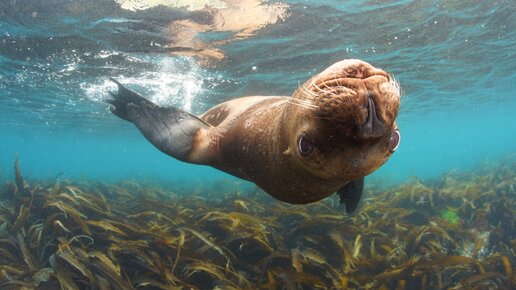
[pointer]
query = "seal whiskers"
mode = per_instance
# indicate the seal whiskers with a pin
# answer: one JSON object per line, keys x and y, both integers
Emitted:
{"x": 307, "y": 104}
{"x": 396, "y": 89}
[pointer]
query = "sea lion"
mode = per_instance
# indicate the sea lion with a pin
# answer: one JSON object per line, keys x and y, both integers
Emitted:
{"x": 336, "y": 128}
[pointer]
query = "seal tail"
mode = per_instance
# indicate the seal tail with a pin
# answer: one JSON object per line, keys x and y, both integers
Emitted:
{"x": 171, "y": 130}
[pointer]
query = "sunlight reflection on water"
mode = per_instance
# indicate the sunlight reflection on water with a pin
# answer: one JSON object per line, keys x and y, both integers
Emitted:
{"x": 175, "y": 82}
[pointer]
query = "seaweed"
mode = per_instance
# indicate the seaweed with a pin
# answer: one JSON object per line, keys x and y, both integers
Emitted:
{"x": 450, "y": 216}
{"x": 453, "y": 233}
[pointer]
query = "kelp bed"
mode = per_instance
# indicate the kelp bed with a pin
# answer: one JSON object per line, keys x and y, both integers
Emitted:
{"x": 457, "y": 233}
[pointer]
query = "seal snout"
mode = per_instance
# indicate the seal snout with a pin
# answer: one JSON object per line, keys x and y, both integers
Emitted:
{"x": 373, "y": 126}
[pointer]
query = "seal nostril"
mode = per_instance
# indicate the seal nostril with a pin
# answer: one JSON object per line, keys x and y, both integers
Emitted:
{"x": 372, "y": 127}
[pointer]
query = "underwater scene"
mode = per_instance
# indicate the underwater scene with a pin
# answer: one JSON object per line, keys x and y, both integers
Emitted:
{"x": 254, "y": 144}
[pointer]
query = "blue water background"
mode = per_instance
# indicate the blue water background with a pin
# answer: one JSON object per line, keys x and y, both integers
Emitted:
{"x": 455, "y": 60}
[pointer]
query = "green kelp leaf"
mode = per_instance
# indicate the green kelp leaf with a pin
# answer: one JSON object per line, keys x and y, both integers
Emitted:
{"x": 450, "y": 216}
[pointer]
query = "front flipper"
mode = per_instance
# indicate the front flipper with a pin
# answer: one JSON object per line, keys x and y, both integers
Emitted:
{"x": 351, "y": 193}
{"x": 171, "y": 130}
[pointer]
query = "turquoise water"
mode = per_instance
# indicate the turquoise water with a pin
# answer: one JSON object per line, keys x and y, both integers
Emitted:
{"x": 455, "y": 60}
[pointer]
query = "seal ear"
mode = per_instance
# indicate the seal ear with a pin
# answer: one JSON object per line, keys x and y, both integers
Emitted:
{"x": 351, "y": 194}
{"x": 171, "y": 130}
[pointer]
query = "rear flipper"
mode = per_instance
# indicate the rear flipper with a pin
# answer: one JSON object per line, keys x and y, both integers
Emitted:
{"x": 171, "y": 130}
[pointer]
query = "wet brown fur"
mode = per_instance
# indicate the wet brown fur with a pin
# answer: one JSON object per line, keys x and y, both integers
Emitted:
{"x": 255, "y": 138}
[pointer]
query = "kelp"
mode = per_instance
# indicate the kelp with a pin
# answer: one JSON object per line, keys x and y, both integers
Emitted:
{"x": 453, "y": 233}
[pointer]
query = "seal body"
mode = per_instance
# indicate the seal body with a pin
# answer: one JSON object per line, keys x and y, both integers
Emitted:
{"x": 336, "y": 128}
{"x": 255, "y": 147}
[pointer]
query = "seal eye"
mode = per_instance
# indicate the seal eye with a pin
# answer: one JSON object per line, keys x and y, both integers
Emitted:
{"x": 394, "y": 142}
{"x": 305, "y": 146}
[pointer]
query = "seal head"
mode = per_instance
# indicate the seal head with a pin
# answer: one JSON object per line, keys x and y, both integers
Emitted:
{"x": 340, "y": 124}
